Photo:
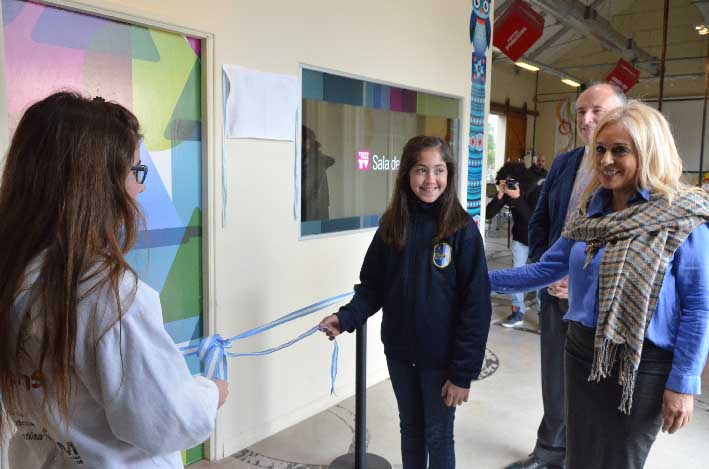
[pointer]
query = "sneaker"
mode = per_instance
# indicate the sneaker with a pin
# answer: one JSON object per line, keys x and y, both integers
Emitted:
{"x": 513, "y": 320}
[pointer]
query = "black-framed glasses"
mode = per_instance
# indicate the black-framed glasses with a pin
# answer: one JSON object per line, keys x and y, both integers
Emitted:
{"x": 141, "y": 172}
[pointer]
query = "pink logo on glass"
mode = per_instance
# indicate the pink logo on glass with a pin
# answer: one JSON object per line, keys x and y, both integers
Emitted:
{"x": 362, "y": 160}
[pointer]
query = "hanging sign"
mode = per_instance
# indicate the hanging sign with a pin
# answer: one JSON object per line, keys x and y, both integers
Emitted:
{"x": 623, "y": 75}
{"x": 517, "y": 29}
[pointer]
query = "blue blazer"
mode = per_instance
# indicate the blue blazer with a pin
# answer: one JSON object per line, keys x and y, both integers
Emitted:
{"x": 548, "y": 218}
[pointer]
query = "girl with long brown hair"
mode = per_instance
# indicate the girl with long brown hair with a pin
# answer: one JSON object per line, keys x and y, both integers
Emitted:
{"x": 88, "y": 373}
{"x": 426, "y": 270}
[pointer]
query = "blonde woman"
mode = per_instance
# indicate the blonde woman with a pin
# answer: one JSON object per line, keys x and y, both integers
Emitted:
{"x": 638, "y": 331}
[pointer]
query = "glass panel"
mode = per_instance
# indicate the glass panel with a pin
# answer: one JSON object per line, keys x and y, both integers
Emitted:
{"x": 353, "y": 134}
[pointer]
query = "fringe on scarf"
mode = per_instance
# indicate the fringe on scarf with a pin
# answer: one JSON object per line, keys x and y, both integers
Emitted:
{"x": 604, "y": 357}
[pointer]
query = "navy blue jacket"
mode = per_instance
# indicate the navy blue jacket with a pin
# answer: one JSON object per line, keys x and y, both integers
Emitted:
{"x": 436, "y": 302}
{"x": 548, "y": 218}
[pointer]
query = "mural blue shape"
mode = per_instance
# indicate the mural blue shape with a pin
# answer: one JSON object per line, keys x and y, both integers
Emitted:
{"x": 186, "y": 164}
{"x": 51, "y": 28}
{"x": 10, "y": 10}
{"x": 155, "y": 202}
{"x": 186, "y": 329}
{"x": 153, "y": 265}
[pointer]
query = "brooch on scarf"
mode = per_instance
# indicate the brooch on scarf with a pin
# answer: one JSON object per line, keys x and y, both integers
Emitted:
{"x": 592, "y": 248}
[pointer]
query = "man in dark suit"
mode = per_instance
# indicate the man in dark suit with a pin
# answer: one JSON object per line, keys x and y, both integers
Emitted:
{"x": 565, "y": 182}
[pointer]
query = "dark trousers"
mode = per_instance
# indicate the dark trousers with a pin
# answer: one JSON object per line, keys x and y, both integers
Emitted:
{"x": 598, "y": 434}
{"x": 426, "y": 423}
{"x": 551, "y": 435}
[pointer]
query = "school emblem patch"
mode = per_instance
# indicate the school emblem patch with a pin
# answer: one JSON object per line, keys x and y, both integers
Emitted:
{"x": 442, "y": 254}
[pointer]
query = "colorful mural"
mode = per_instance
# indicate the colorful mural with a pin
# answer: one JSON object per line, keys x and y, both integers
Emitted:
{"x": 564, "y": 130}
{"x": 480, "y": 31}
{"x": 157, "y": 75}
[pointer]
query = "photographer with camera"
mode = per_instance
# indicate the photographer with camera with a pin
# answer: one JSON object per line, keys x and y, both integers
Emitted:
{"x": 521, "y": 199}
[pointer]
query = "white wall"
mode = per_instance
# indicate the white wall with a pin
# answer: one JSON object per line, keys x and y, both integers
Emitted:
{"x": 261, "y": 268}
{"x": 685, "y": 118}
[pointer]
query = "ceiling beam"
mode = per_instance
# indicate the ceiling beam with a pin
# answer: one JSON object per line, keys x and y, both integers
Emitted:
{"x": 548, "y": 42}
{"x": 586, "y": 20}
{"x": 612, "y": 64}
{"x": 678, "y": 76}
{"x": 703, "y": 7}
{"x": 501, "y": 6}
{"x": 555, "y": 37}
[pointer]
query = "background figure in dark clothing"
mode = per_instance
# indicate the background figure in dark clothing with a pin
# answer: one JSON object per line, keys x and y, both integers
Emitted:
{"x": 521, "y": 200}
{"x": 315, "y": 193}
{"x": 537, "y": 168}
{"x": 511, "y": 168}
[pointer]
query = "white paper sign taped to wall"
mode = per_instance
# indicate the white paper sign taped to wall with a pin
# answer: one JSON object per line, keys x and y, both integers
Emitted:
{"x": 259, "y": 104}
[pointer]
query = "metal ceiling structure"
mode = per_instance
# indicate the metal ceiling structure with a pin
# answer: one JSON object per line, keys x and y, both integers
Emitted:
{"x": 584, "y": 39}
{"x": 587, "y": 21}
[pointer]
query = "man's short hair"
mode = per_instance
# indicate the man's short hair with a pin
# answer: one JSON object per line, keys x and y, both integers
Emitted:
{"x": 617, "y": 90}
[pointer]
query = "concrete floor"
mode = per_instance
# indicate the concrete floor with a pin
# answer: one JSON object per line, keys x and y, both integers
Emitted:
{"x": 497, "y": 426}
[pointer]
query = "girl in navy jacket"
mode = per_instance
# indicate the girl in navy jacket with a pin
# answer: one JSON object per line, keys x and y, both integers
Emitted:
{"x": 426, "y": 270}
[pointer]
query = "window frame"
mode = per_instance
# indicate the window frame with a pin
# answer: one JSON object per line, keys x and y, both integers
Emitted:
{"x": 297, "y": 207}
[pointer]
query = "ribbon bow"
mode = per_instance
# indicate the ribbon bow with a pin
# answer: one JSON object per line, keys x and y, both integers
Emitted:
{"x": 212, "y": 352}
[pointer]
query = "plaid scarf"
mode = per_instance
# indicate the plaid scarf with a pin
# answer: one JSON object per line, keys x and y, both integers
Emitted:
{"x": 639, "y": 242}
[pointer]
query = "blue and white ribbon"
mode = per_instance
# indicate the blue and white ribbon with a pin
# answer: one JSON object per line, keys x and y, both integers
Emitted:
{"x": 213, "y": 350}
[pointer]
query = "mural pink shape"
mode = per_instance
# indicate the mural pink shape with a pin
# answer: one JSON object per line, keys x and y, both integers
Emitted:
{"x": 196, "y": 45}
{"x": 110, "y": 77}
{"x": 66, "y": 65}
{"x": 402, "y": 100}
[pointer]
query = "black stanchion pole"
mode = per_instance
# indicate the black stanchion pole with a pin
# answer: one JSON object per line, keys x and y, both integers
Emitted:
{"x": 361, "y": 398}
{"x": 360, "y": 459}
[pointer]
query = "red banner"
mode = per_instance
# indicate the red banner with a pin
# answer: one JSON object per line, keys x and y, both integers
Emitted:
{"x": 516, "y": 29}
{"x": 623, "y": 75}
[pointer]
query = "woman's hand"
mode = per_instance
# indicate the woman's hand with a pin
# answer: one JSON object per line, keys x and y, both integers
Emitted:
{"x": 513, "y": 193}
{"x": 560, "y": 289}
{"x": 501, "y": 189}
{"x": 223, "y": 388}
{"x": 453, "y": 395}
{"x": 677, "y": 410}
{"x": 331, "y": 326}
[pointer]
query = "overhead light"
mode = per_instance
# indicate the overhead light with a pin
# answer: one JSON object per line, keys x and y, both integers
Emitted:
{"x": 702, "y": 29}
{"x": 527, "y": 66}
{"x": 570, "y": 82}
{"x": 699, "y": 27}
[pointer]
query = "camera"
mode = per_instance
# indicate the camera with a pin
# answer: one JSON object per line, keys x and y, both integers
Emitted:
{"x": 511, "y": 183}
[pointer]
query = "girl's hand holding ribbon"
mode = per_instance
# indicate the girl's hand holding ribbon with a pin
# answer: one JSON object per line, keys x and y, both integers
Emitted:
{"x": 330, "y": 326}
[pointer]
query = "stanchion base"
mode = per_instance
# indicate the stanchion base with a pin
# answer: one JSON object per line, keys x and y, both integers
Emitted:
{"x": 347, "y": 461}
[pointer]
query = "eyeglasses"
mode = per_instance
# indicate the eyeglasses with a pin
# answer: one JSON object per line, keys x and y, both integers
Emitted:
{"x": 141, "y": 172}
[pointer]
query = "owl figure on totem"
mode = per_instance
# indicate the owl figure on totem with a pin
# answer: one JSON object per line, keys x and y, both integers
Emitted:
{"x": 480, "y": 31}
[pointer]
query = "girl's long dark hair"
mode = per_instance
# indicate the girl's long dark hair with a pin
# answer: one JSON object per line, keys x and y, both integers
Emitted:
{"x": 63, "y": 195}
{"x": 452, "y": 216}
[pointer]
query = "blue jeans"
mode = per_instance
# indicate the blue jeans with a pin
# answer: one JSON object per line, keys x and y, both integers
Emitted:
{"x": 426, "y": 423}
{"x": 520, "y": 252}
